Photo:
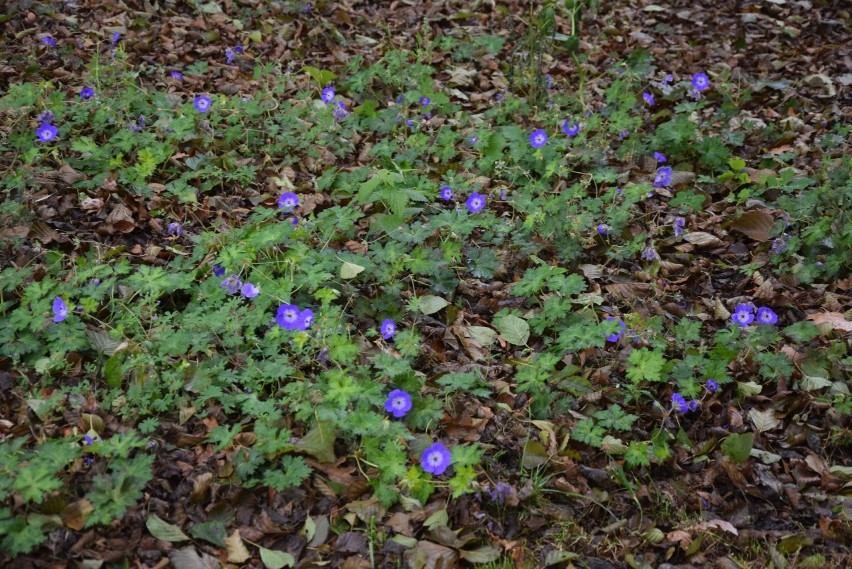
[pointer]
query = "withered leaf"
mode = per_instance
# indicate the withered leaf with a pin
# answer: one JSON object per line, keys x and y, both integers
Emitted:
{"x": 757, "y": 224}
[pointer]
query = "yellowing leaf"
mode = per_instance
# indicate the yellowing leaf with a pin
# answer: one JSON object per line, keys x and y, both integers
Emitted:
{"x": 163, "y": 530}
{"x": 763, "y": 420}
{"x": 237, "y": 550}
{"x": 350, "y": 270}
{"x": 276, "y": 559}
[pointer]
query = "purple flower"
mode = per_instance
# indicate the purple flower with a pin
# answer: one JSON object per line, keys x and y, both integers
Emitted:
{"x": 602, "y": 229}
{"x": 90, "y": 440}
{"x": 472, "y": 140}
{"x": 649, "y": 99}
{"x": 679, "y": 403}
{"x": 570, "y": 127}
{"x": 340, "y": 111}
{"x": 48, "y": 41}
{"x": 500, "y": 492}
{"x": 659, "y": 157}
{"x": 387, "y": 329}
{"x": 177, "y": 75}
{"x": 46, "y": 132}
{"x": 250, "y": 291}
{"x": 46, "y": 117}
{"x": 409, "y": 122}
{"x": 693, "y": 405}
{"x": 700, "y": 81}
{"x": 328, "y": 94}
{"x": 743, "y": 315}
{"x": 668, "y": 78}
{"x": 88, "y": 459}
{"x": 218, "y": 270}
{"x": 229, "y": 55}
{"x": 436, "y": 459}
{"x": 679, "y": 222}
{"x": 475, "y": 203}
{"x": 115, "y": 37}
{"x": 650, "y": 254}
{"x": 306, "y": 318}
{"x": 87, "y": 92}
{"x": 766, "y": 315}
{"x": 424, "y": 101}
{"x": 238, "y": 49}
{"x": 538, "y": 138}
{"x": 60, "y": 309}
{"x": 175, "y": 229}
{"x": 614, "y": 337}
{"x": 202, "y": 103}
{"x": 446, "y": 193}
{"x": 232, "y": 284}
{"x": 398, "y": 403}
{"x": 288, "y": 317}
{"x": 548, "y": 80}
{"x": 664, "y": 177}
{"x": 288, "y": 201}
{"x": 779, "y": 245}
{"x": 711, "y": 385}
{"x": 623, "y": 134}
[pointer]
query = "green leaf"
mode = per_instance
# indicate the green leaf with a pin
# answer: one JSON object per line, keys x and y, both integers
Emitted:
{"x": 213, "y": 531}
{"x": 276, "y": 559}
{"x": 514, "y": 330}
{"x": 319, "y": 442}
{"x": 163, "y": 530}
{"x": 430, "y": 304}
{"x": 484, "y": 554}
{"x": 322, "y": 76}
{"x": 637, "y": 454}
{"x": 350, "y": 270}
{"x": 645, "y": 365}
{"x": 737, "y": 447}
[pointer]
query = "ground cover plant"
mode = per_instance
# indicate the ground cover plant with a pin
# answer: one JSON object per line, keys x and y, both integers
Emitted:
{"x": 447, "y": 284}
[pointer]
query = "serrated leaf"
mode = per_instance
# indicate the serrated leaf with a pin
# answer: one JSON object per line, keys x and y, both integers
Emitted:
{"x": 350, "y": 270}
{"x": 514, "y": 330}
{"x": 163, "y": 530}
{"x": 103, "y": 343}
{"x": 763, "y": 420}
{"x": 237, "y": 550}
{"x": 738, "y": 447}
{"x": 430, "y": 304}
{"x": 276, "y": 559}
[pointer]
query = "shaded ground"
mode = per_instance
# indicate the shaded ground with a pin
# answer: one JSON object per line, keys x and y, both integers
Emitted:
{"x": 797, "y": 52}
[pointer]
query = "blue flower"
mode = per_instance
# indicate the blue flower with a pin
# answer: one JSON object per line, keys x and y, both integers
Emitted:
{"x": 472, "y": 140}
{"x": 650, "y": 254}
{"x": 387, "y": 329}
{"x": 693, "y": 405}
{"x": 679, "y": 403}
{"x": 743, "y": 315}
{"x": 48, "y": 41}
{"x": 239, "y": 49}
{"x": 46, "y": 117}
{"x": 232, "y": 284}
{"x": 306, "y": 318}
{"x": 115, "y": 37}
{"x": 649, "y": 99}
{"x": 60, "y": 309}
{"x": 700, "y": 81}
{"x": 288, "y": 201}
{"x": 340, "y": 111}
{"x": 46, "y": 132}
{"x": 202, "y": 103}
{"x": 218, "y": 270}
{"x": 538, "y": 138}
{"x": 328, "y": 94}
{"x": 711, "y": 385}
{"x": 664, "y": 177}
{"x": 87, "y": 92}
{"x": 500, "y": 493}
{"x": 436, "y": 459}
{"x": 288, "y": 317}
{"x": 229, "y": 55}
{"x": 614, "y": 337}
{"x": 570, "y": 128}
{"x": 679, "y": 222}
{"x": 90, "y": 440}
{"x": 177, "y": 75}
{"x": 175, "y": 229}
{"x": 424, "y": 101}
{"x": 475, "y": 203}
{"x": 249, "y": 290}
{"x": 659, "y": 157}
{"x": 446, "y": 193}
{"x": 766, "y": 315}
{"x": 602, "y": 229}
{"x": 398, "y": 403}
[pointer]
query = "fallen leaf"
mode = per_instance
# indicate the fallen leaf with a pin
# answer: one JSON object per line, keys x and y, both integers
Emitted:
{"x": 715, "y": 524}
{"x": 836, "y": 319}
{"x": 763, "y": 420}
{"x": 757, "y": 224}
{"x": 703, "y": 239}
{"x": 237, "y": 550}
{"x": 163, "y": 530}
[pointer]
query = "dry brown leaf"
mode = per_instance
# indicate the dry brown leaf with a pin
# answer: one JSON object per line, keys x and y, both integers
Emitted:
{"x": 237, "y": 550}
{"x": 74, "y": 514}
{"x": 757, "y": 224}
{"x": 703, "y": 239}
{"x": 836, "y": 319}
{"x": 628, "y": 290}
{"x": 680, "y": 537}
{"x": 715, "y": 524}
